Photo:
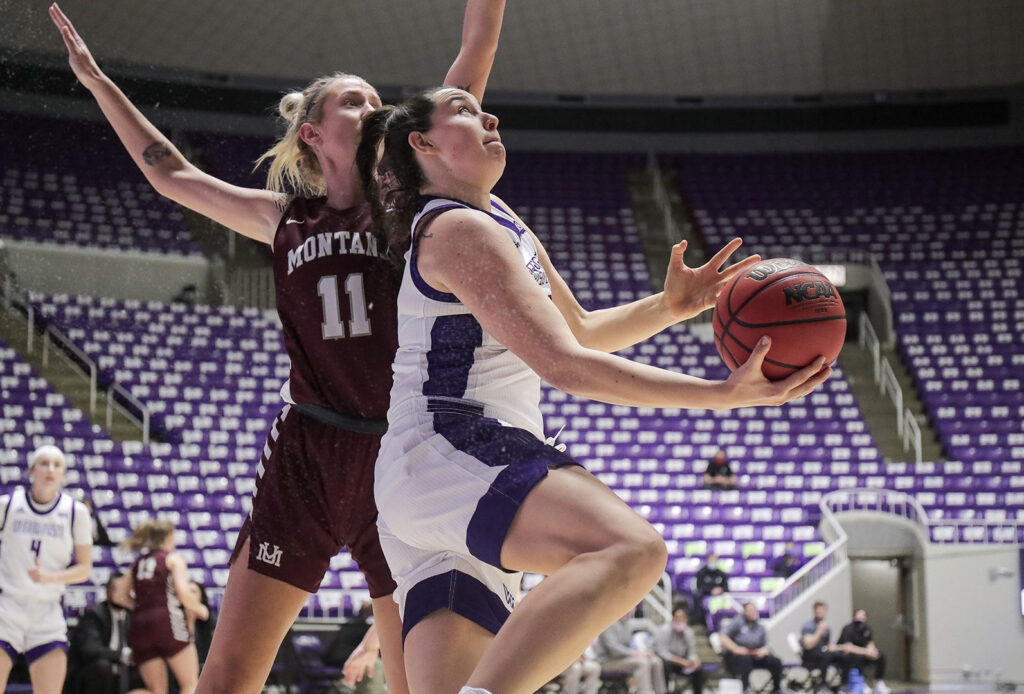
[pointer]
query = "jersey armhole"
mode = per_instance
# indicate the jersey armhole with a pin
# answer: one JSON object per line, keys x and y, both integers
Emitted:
{"x": 7, "y": 509}
{"x": 419, "y": 225}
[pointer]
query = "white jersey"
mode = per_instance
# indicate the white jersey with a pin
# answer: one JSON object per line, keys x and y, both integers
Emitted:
{"x": 50, "y": 533}
{"x": 444, "y": 354}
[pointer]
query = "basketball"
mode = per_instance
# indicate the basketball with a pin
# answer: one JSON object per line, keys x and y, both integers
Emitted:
{"x": 791, "y": 302}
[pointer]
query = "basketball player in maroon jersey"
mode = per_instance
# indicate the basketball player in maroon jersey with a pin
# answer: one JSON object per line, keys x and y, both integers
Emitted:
{"x": 162, "y": 601}
{"x": 336, "y": 293}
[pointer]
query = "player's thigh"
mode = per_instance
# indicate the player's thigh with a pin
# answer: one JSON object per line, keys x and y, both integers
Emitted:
{"x": 6, "y": 664}
{"x": 48, "y": 672}
{"x": 254, "y": 618}
{"x": 185, "y": 666}
{"x": 570, "y": 512}
{"x": 154, "y": 675}
{"x": 441, "y": 652}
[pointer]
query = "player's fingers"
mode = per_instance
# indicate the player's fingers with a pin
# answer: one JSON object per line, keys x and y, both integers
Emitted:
{"x": 739, "y": 268}
{"x": 797, "y": 378}
{"x": 677, "y": 253}
{"x": 811, "y": 384}
{"x": 718, "y": 259}
{"x": 756, "y": 359}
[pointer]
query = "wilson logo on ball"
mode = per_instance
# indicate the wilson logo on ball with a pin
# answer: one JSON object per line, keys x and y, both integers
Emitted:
{"x": 763, "y": 271}
{"x": 808, "y": 291}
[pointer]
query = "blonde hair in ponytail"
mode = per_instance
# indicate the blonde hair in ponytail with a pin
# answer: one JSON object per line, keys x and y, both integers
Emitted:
{"x": 294, "y": 168}
{"x": 150, "y": 535}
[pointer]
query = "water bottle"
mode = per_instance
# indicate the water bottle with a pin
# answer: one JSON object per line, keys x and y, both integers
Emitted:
{"x": 856, "y": 681}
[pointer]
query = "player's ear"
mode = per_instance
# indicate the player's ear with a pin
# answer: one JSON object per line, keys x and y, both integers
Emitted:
{"x": 421, "y": 143}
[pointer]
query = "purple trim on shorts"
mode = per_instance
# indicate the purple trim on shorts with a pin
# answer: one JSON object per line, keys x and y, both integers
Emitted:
{"x": 9, "y": 650}
{"x": 456, "y": 591}
{"x": 34, "y": 654}
{"x": 453, "y": 341}
{"x": 528, "y": 460}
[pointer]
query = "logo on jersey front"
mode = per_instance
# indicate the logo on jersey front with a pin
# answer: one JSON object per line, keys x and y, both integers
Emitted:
{"x": 267, "y": 557}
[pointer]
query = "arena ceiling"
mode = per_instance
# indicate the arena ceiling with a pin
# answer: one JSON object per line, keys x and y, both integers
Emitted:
{"x": 630, "y": 47}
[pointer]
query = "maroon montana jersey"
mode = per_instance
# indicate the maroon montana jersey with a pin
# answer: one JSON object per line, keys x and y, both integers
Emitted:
{"x": 154, "y": 587}
{"x": 336, "y": 296}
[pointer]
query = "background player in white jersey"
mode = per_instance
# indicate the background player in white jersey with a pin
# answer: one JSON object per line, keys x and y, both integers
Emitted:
{"x": 45, "y": 544}
{"x": 467, "y": 490}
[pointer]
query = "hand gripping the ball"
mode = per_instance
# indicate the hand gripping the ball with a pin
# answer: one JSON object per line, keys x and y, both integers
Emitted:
{"x": 749, "y": 387}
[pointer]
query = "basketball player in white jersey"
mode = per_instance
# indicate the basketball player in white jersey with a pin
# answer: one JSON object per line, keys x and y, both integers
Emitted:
{"x": 469, "y": 494}
{"x": 45, "y": 544}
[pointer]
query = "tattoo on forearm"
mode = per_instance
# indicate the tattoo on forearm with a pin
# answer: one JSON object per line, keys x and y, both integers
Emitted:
{"x": 155, "y": 152}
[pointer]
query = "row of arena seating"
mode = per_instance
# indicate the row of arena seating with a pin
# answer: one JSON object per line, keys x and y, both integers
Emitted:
{"x": 211, "y": 377}
{"x": 946, "y": 229}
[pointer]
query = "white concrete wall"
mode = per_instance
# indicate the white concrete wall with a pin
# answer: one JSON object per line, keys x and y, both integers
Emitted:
{"x": 53, "y": 269}
{"x": 973, "y": 621}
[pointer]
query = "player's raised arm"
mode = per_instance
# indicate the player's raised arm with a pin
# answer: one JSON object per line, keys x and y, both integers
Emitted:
{"x": 254, "y": 213}
{"x": 481, "y": 27}
{"x": 688, "y": 292}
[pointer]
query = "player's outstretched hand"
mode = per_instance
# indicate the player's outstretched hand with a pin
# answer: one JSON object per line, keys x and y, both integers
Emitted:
{"x": 361, "y": 663}
{"x": 691, "y": 291}
{"x": 750, "y": 387}
{"x": 79, "y": 57}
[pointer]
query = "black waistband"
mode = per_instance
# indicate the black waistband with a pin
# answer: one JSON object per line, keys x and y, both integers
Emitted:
{"x": 337, "y": 420}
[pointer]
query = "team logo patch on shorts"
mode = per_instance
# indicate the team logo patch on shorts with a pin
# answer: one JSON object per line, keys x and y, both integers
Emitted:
{"x": 266, "y": 556}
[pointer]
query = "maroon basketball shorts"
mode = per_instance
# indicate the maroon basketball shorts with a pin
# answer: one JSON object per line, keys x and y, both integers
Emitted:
{"x": 314, "y": 495}
{"x": 158, "y": 633}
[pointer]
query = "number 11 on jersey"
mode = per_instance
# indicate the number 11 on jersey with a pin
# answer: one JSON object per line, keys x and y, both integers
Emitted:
{"x": 333, "y": 327}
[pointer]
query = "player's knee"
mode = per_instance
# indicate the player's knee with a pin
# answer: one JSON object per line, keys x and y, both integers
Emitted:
{"x": 642, "y": 556}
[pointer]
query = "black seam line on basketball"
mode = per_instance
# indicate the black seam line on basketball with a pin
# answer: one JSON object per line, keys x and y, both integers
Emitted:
{"x": 732, "y": 313}
{"x": 729, "y": 351}
{"x": 789, "y": 322}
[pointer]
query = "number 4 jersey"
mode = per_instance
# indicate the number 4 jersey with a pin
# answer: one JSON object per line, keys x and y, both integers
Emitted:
{"x": 336, "y": 296}
{"x": 48, "y": 532}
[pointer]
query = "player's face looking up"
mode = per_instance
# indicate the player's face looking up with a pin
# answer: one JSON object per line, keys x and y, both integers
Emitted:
{"x": 463, "y": 139}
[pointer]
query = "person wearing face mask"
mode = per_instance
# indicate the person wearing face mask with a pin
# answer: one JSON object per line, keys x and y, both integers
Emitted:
{"x": 676, "y": 645}
{"x": 47, "y": 543}
{"x": 856, "y": 643}
{"x": 710, "y": 580}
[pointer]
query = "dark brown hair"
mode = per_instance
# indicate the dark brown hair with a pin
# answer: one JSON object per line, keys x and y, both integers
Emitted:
{"x": 392, "y": 180}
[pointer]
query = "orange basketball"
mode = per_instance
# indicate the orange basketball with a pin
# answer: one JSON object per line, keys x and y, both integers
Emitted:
{"x": 791, "y": 302}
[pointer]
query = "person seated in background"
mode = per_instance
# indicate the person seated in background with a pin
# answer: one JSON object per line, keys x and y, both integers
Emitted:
{"x": 786, "y": 564}
{"x": 99, "y": 652}
{"x": 583, "y": 676}
{"x": 676, "y": 645}
{"x": 710, "y": 580}
{"x": 815, "y": 639}
{"x": 745, "y": 648}
{"x": 718, "y": 474}
{"x": 857, "y": 645}
{"x": 615, "y": 652}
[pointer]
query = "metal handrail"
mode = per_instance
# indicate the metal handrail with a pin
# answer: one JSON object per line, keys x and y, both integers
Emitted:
{"x": 887, "y": 382}
{"x": 912, "y": 435}
{"x": 907, "y": 506}
{"x": 143, "y": 422}
{"x": 51, "y": 335}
